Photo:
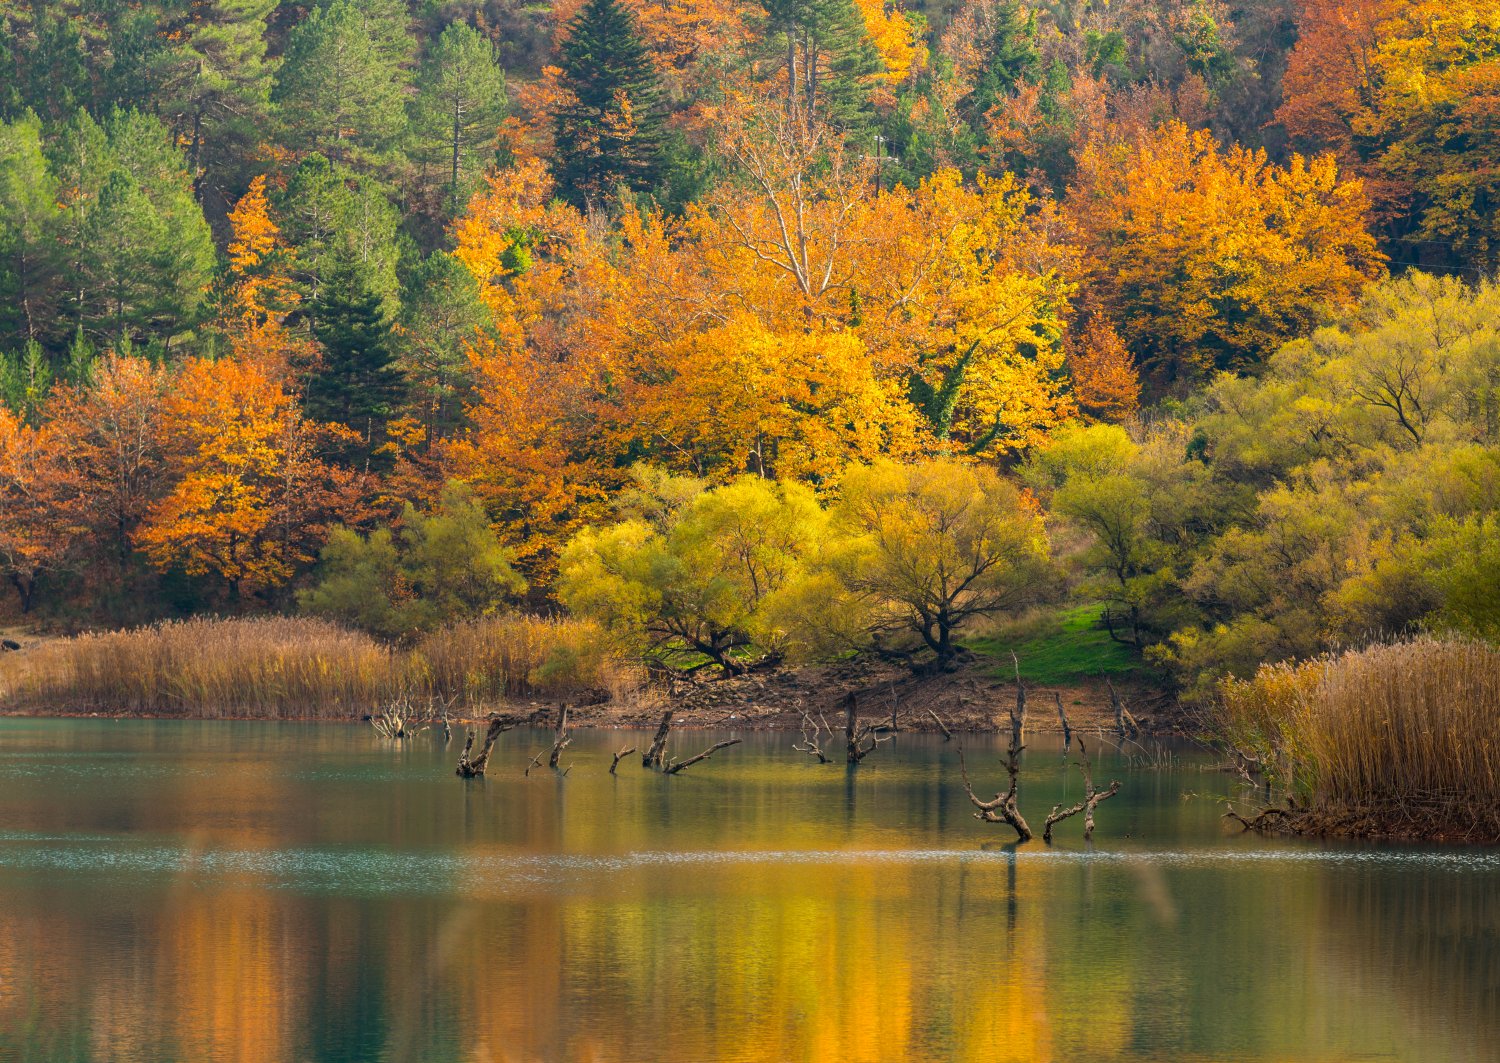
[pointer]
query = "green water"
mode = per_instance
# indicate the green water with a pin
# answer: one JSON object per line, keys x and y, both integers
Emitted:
{"x": 262, "y": 892}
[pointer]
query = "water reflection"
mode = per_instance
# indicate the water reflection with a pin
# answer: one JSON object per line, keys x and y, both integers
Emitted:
{"x": 257, "y": 893}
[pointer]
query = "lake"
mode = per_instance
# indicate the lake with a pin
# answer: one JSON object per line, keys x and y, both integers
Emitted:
{"x": 213, "y": 891}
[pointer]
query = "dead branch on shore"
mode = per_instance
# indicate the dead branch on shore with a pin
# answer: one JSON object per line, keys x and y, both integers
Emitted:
{"x": 619, "y": 756}
{"x": 674, "y": 767}
{"x": 1124, "y": 722}
{"x": 1091, "y": 799}
{"x": 809, "y": 744}
{"x": 860, "y": 739}
{"x": 1003, "y": 808}
{"x": 560, "y": 738}
{"x": 947, "y": 734}
{"x": 1062, "y": 718}
{"x": 472, "y": 768}
{"x": 652, "y": 758}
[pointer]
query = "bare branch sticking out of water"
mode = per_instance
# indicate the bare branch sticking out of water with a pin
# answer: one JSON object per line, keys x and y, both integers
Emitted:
{"x": 652, "y": 758}
{"x": 674, "y": 767}
{"x": 1002, "y": 809}
{"x": 1091, "y": 799}
{"x": 619, "y": 756}
{"x": 560, "y": 738}
{"x": 473, "y": 768}
{"x": 809, "y": 743}
{"x": 947, "y": 734}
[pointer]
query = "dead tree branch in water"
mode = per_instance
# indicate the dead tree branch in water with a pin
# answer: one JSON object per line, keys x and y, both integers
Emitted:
{"x": 398, "y": 720}
{"x": 619, "y": 756}
{"x": 535, "y": 762}
{"x": 1091, "y": 799}
{"x": 1062, "y": 718}
{"x": 1018, "y": 714}
{"x": 860, "y": 739}
{"x": 809, "y": 744}
{"x": 652, "y": 758}
{"x": 674, "y": 767}
{"x": 1124, "y": 722}
{"x": 1003, "y": 808}
{"x": 560, "y": 737}
{"x": 947, "y": 734}
{"x": 472, "y": 768}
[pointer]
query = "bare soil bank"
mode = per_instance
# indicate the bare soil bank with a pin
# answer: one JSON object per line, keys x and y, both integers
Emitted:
{"x": 970, "y": 699}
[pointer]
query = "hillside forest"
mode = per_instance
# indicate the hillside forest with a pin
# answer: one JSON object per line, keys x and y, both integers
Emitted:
{"x": 774, "y": 329}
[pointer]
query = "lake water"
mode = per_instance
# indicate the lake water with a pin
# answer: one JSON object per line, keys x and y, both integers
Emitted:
{"x": 261, "y": 892}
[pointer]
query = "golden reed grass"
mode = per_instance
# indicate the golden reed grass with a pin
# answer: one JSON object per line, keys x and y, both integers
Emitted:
{"x": 298, "y": 668}
{"x": 1406, "y": 729}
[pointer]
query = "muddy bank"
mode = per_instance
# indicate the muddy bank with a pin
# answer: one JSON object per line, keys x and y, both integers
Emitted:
{"x": 971, "y": 699}
{"x": 1395, "y": 823}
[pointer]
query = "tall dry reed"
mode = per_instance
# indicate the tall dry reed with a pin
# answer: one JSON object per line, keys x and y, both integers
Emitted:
{"x": 513, "y": 656}
{"x": 283, "y": 668}
{"x": 1411, "y": 727}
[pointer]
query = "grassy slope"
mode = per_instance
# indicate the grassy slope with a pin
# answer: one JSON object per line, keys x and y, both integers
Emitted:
{"x": 1062, "y": 648}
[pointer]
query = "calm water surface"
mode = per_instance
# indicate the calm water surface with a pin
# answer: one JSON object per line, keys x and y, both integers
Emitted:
{"x": 262, "y": 892}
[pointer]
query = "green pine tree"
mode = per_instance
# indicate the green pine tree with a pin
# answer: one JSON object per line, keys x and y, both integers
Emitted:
{"x": 826, "y": 59}
{"x": 358, "y": 383}
{"x": 610, "y": 134}
{"x": 1014, "y": 58}
{"x": 460, "y": 101}
{"x": 342, "y": 84}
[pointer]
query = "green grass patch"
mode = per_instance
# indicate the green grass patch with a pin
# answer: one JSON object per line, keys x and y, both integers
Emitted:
{"x": 1058, "y": 648}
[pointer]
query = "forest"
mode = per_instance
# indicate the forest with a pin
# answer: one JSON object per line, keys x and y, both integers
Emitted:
{"x": 766, "y": 331}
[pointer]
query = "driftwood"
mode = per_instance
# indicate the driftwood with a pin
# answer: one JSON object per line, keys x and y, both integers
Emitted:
{"x": 1124, "y": 722}
{"x": 1002, "y": 809}
{"x": 1062, "y": 718}
{"x": 674, "y": 767}
{"x": 469, "y": 768}
{"x": 560, "y": 737}
{"x": 1091, "y": 799}
{"x": 619, "y": 756}
{"x": 947, "y": 734}
{"x": 860, "y": 739}
{"x": 652, "y": 758}
{"x": 535, "y": 762}
{"x": 809, "y": 744}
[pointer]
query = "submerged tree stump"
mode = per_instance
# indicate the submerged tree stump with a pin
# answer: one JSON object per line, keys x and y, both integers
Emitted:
{"x": 656, "y": 751}
{"x": 470, "y": 767}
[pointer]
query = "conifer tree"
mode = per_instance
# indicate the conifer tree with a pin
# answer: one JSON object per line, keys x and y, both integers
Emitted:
{"x": 358, "y": 383}
{"x": 341, "y": 83}
{"x": 609, "y": 133}
{"x": 826, "y": 56}
{"x": 460, "y": 101}
{"x": 1014, "y": 58}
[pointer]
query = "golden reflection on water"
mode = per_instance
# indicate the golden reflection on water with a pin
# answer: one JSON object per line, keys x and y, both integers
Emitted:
{"x": 519, "y": 929}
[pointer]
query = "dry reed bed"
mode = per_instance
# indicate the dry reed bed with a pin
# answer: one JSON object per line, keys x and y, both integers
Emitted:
{"x": 287, "y": 668}
{"x": 1406, "y": 733}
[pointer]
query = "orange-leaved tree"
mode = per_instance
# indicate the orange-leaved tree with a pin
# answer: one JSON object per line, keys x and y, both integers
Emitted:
{"x": 41, "y": 513}
{"x": 248, "y": 500}
{"x": 1208, "y": 259}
